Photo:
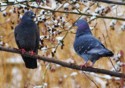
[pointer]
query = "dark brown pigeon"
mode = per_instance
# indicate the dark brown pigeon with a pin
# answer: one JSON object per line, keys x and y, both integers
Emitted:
{"x": 27, "y": 38}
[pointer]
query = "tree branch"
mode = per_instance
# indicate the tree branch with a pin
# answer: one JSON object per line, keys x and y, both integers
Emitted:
{"x": 77, "y": 13}
{"x": 64, "y": 64}
{"x": 70, "y": 12}
{"x": 109, "y": 2}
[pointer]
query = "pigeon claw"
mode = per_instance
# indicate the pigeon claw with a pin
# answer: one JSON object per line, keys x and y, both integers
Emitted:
{"x": 31, "y": 52}
{"x": 85, "y": 65}
{"x": 23, "y": 51}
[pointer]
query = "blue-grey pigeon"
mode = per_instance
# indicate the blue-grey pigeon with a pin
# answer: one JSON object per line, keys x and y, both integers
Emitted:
{"x": 87, "y": 46}
{"x": 27, "y": 38}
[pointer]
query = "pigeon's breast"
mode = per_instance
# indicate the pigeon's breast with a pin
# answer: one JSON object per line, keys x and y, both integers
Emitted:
{"x": 29, "y": 41}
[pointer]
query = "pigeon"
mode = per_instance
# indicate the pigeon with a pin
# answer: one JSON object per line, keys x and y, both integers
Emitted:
{"x": 87, "y": 46}
{"x": 27, "y": 38}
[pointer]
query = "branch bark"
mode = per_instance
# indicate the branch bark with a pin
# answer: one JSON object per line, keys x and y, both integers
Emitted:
{"x": 109, "y": 2}
{"x": 64, "y": 64}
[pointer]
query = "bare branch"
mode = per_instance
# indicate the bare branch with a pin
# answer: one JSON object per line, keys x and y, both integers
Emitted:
{"x": 109, "y": 2}
{"x": 64, "y": 64}
{"x": 77, "y": 13}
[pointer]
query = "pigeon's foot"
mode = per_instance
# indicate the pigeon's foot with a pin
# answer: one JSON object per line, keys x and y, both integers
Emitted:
{"x": 31, "y": 52}
{"x": 23, "y": 51}
{"x": 86, "y": 65}
{"x": 82, "y": 66}
{"x": 91, "y": 65}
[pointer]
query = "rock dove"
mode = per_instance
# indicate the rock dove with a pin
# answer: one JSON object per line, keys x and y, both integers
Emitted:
{"x": 27, "y": 38}
{"x": 87, "y": 46}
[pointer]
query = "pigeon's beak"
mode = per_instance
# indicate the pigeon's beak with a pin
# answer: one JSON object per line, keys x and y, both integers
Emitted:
{"x": 34, "y": 15}
{"x": 75, "y": 24}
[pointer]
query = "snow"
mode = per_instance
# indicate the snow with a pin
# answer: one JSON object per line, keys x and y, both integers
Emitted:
{"x": 21, "y": 16}
{"x": 108, "y": 77}
{"x": 11, "y": 0}
{"x": 101, "y": 82}
{"x": 42, "y": 12}
{"x": 53, "y": 50}
{"x": 6, "y": 45}
{"x": 1, "y": 42}
{"x": 42, "y": 37}
{"x": 21, "y": 0}
{"x": 57, "y": 65}
{"x": 16, "y": 77}
{"x": 59, "y": 38}
{"x": 54, "y": 5}
{"x": 15, "y": 59}
{"x": 93, "y": 16}
{"x": 70, "y": 60}
{"x": 65, "y": 76}
{"x": 44, "y": 85}
{"x": 44, "y": 49}
{"x": 66, "y": 5}
{"x": 34, "y": 4}
{"x": 77, "y": 5}
{"x": 112, "y": 23}
{"x": 73, "y": 74}
{"x": 85, "y": 9}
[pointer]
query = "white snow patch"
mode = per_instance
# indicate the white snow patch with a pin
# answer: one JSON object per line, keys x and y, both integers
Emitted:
{"x": 73, "y": 74}
{"x": 59, "y": 38}
{"x": 57, "y": 65}
{"x": 54, "y": 5}
{"x": 20, "y": 0}
{"x": 44, "y": 49}
{"x": 101, "y": 82}
{"x": 70, "y": 60}
{"x": 11, "y": 0}
{"x": 16, "y": 77}
{"x": 66, "y": 5}
{"x": 65, "y": 76}
{"x": 15, "y": 59}
{"x": 34, "y": 4}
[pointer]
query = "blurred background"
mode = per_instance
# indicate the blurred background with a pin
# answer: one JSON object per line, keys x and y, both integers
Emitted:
{"x": 55, "y": 19}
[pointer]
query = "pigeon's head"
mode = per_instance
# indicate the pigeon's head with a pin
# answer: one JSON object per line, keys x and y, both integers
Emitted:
{"x": 83, "y": 27}
{"x": 28, "y": 15}
{"x": 81, "y": 23}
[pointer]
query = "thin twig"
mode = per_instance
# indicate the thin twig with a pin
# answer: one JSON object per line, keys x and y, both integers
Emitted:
{"x": 109, "y": 2}
{"x": 77, "y": 13}
{"x": 90, "y": 79}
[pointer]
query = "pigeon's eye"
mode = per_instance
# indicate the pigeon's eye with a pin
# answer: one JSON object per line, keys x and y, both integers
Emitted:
{"x": 29, "y": 14}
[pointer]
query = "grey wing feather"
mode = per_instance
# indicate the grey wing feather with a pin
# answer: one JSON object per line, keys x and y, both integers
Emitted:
{"x": 37, "y": 40}
{"x": 86, "y": 43}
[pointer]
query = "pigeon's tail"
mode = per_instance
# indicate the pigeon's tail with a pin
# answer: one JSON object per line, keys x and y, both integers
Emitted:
{"x": 30, "y": 63}
{"x": 106, "y": 53}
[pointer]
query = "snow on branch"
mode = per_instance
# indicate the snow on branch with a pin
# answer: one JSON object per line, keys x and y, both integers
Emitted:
{"x": 64, "y": 64}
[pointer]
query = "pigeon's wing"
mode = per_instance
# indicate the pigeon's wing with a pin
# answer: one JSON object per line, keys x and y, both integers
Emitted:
{"x": 93, "y": 46}
{"x": 37, "y": 39}
{"x": 101, "y": 52}
{"x": 85, "y": 43}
